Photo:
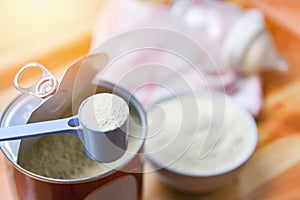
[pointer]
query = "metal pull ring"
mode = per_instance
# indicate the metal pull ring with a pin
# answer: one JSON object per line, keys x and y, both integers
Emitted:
{"x": 44, "y": 87}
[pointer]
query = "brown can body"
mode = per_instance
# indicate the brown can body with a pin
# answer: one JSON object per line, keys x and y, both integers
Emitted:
{"x": 124, "y": 183}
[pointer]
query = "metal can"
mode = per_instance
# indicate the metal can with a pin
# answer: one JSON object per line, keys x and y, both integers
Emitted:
{"x": 121, "y": 182}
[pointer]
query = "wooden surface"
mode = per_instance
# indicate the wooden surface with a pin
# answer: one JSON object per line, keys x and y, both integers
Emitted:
{"x": 274, "y": 170}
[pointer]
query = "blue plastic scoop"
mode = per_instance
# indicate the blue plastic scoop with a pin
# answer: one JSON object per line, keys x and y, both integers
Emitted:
{"x": 101, "y": 146}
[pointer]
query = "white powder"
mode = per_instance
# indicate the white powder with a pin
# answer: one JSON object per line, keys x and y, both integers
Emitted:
{"x": 62, "y": 155}
{"x": 104, "y": 112}
{"x": 178, "y": 129}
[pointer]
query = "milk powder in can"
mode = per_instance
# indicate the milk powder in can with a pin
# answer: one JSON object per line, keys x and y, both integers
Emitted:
{"x": 36, "y": 175}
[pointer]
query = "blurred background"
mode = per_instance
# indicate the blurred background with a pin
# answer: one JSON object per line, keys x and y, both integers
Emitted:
{"x": 41, "y": 30}
{"x": 48, "y": 31}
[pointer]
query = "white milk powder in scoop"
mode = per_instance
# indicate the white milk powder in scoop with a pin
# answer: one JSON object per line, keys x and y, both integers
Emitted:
{"x": 104, "y": 112}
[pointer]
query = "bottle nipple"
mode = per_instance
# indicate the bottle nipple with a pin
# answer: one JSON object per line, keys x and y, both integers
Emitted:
{"x": 262, "y": 55}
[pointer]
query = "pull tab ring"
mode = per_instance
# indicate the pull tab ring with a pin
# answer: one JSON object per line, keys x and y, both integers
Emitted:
{"x": 44, "y": 87}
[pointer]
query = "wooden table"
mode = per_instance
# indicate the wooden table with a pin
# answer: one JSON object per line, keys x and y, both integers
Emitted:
{"x": 274, "y": 170}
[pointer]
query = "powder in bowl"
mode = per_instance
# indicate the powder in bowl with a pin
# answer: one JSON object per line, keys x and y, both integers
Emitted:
{"x": 180, "y": 129}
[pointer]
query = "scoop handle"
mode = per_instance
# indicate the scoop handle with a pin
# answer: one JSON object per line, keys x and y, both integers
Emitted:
{"x": 70, "y": 124}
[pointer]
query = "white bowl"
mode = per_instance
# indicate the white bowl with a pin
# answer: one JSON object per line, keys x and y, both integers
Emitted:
{"x": 203, "y": 181}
